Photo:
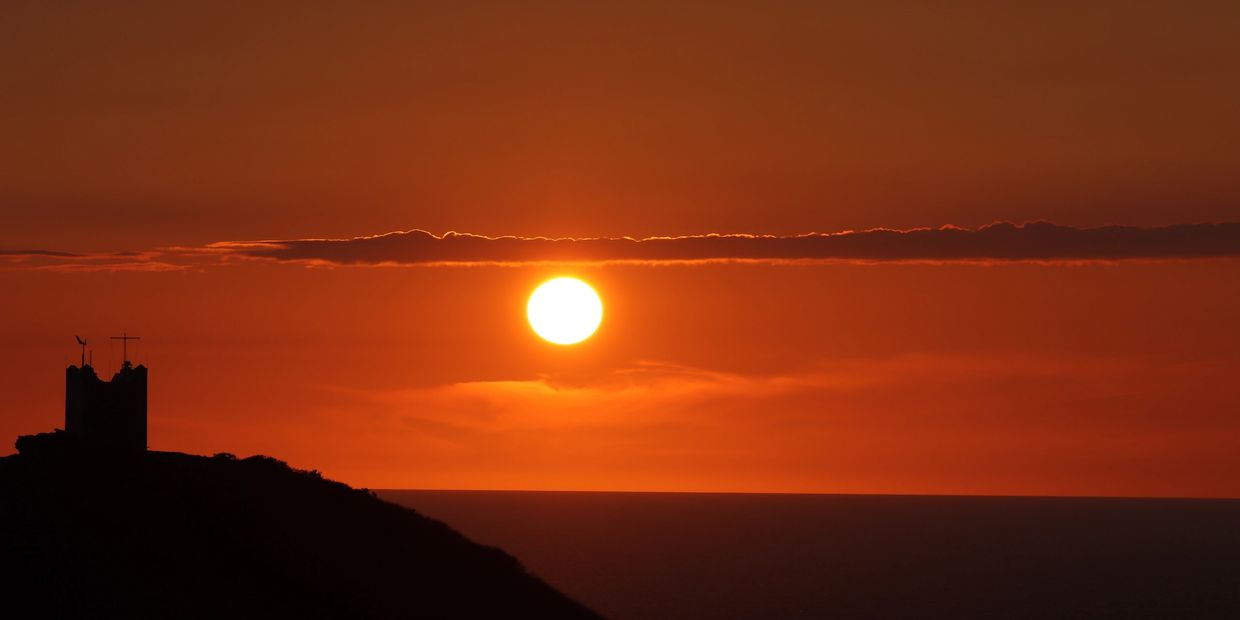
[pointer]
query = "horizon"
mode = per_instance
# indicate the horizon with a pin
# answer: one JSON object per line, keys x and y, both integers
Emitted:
{"x": 870, "y": 494}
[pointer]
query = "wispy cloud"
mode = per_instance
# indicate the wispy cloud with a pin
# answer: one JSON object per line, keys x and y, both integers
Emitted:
{"x": 50, "y": 260}
{"x": 19, "y": 254}
{"x": 650, "y": 393}
{"x": 839, "y": 425}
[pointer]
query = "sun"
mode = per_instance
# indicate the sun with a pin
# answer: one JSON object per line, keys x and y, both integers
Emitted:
{"x": 564, "y": 310}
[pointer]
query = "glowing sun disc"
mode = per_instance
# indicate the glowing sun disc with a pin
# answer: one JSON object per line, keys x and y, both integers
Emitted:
{"x": 564, "y": 310}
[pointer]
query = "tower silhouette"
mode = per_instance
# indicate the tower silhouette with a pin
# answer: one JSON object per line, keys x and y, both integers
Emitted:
{"x": 109, "y": 414}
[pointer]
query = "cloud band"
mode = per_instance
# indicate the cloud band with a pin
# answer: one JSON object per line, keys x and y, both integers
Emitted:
{"x": 997, "y": 242}
{"x": 1000, "y": 242}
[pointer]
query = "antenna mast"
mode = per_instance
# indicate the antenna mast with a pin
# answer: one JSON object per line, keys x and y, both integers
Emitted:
{"x": 125, "y": 338}
{"x": 82, "y": 341}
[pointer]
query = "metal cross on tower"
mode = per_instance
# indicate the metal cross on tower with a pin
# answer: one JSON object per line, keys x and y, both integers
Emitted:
{"x": 125, "y": 345}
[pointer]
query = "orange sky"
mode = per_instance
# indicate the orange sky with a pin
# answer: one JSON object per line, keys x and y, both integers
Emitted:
{"x": 1018, "y": 378}
{"x": 160, "y": 126}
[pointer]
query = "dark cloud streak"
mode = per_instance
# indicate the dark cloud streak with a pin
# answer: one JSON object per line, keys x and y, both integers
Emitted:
{"x": 1000, "y": 242}
{"x": 997, "y": 242}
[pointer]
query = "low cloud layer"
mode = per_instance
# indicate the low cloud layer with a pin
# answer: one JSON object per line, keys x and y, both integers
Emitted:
{"x": 996, "y": 242}
{"x": 914, "y": 423}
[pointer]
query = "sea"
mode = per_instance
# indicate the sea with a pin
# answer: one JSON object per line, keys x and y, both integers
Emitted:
{"x": 742, "y": 556}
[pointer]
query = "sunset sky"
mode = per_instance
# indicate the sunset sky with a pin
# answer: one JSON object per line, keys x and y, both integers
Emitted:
{"x": 175, "y": 169}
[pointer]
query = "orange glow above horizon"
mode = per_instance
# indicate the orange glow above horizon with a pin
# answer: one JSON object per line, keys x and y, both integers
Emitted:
{"x": 1009, "y": 379}
{"x": 164, "y": 134}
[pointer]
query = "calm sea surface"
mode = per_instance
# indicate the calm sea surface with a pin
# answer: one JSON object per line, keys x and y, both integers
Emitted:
{"x": 674, "y": 555}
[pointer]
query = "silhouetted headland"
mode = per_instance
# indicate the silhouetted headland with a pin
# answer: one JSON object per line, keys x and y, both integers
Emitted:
{"x": 92, "y": 524}
{"x": 96, "y": 526}
{"x": 87, "y": 532}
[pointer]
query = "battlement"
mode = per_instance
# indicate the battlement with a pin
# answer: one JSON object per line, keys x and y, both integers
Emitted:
{"x": 111, "y": 413}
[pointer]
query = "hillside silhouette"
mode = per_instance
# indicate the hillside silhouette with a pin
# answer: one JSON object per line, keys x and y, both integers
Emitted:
{"x": 170, "y": 535}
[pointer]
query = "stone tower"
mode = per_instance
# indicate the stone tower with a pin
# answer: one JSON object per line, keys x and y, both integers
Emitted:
{"x": 108, "y": 414}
